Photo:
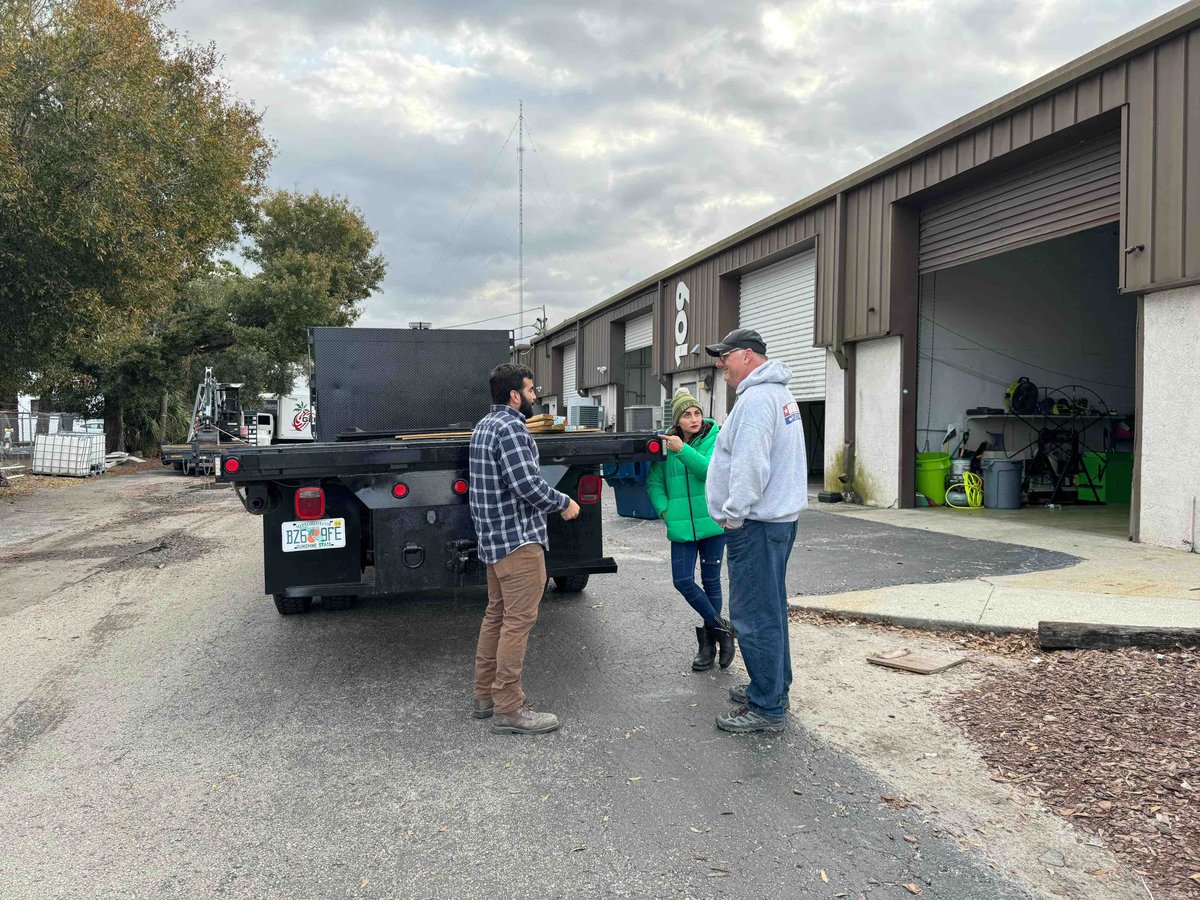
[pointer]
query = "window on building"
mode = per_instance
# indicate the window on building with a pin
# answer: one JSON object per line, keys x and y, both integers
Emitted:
{"x": 638, "y": 380}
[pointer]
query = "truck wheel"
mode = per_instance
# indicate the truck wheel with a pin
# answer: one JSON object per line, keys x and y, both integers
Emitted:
{"x": 339, "y": 602}
{"x": 570, "y": 584}
{"x": 290, "y": 606}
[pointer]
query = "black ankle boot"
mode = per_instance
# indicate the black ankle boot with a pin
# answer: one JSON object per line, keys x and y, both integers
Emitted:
{"x": 708, "y": 649}
{"x": 724, "y": 636}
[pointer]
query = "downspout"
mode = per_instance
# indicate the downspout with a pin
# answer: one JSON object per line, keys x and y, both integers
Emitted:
{"x": 842, "y": 353}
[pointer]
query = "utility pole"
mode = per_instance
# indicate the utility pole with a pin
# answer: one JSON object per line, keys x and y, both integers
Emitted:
{"x": 520, "y": 217}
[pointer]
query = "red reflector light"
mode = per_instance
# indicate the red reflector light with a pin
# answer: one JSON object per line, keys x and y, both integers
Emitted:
{"x": 460, "y": 487}
{"x": 654, "y": 446}
{"x": 400, "y": 490}
{"x": 310, "y": 503}
{"x": 590, "y": 487}
{"x": 232, "y": 465}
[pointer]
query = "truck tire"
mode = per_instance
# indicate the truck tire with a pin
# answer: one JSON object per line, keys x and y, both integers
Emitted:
{"x": 570, "y": 584}
{"x": 290, "y": 606}
{"x": 339, "y": 602}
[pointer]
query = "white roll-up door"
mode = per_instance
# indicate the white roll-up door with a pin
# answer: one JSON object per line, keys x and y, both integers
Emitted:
{"x": 779, "y": 302}
{"x": 570, "y": 395}
{"x": 639, "y": 332}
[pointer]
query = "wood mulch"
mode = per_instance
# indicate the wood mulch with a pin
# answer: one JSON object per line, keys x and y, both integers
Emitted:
{"x": 1109, "y": 739}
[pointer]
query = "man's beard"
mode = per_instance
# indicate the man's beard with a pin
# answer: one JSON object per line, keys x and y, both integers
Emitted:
{"x": 526, "y": 407}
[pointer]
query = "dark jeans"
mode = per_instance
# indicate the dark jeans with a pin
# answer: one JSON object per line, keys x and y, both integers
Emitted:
{"x": 706, "y": 602}
{"x": 758, "y": 557}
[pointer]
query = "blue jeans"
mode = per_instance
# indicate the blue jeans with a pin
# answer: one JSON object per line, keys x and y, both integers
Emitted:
{"x": 706, "y": 602}
{"x": 758, "y": 558}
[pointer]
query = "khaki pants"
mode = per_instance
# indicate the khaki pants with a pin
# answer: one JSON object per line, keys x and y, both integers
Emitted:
{"x": 515, "y": 587}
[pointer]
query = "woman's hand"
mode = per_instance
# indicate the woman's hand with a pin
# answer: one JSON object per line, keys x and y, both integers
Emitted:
{"x": 674, "y": 443}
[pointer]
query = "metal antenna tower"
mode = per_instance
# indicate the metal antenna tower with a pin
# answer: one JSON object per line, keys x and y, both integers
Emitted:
{"x": 520, "y": 217}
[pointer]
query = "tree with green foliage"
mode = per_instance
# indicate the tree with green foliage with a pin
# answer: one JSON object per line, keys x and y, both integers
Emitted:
{"x": 125, "y": 164}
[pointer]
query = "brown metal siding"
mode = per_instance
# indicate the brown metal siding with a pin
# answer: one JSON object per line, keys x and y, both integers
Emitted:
{"x": 705, "y": 324}
{"x": 596, "y": 339}
{"x": 1066, "y": 192}
{"x": 1159, "y": 89}
{"x": 1162, "y": 88}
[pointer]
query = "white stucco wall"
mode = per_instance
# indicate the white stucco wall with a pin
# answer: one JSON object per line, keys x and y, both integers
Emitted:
{"x": 1170, "y": 485}
{"x": 835, "y": 421}
{"x": 877, "y": 421}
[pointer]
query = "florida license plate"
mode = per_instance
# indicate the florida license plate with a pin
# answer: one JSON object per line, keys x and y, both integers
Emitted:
{"x": 314, "y": 534}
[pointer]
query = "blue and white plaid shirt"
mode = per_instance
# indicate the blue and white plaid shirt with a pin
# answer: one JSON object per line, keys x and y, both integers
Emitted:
{"x": 509, "y": 497}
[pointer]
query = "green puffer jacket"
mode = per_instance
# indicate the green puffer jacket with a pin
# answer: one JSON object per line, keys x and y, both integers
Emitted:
{"x": 676, "y": 488}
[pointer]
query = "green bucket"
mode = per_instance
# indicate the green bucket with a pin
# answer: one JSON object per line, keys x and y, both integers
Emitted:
{"x": 931, "y": 476}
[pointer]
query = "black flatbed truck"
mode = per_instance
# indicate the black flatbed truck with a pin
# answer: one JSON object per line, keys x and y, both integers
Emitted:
{"x": 385, "y": 511}
{"x": 395, "y": 518}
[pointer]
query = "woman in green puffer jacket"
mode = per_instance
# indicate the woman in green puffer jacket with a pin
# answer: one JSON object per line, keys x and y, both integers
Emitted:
{"x": 676, "y": 488}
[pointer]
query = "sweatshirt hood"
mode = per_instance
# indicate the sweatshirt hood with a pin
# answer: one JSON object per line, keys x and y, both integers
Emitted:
{"x": 771, "y": 372}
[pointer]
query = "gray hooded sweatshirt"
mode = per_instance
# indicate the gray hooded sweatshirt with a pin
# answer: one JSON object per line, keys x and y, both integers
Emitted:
{"x": 759, "y": 469}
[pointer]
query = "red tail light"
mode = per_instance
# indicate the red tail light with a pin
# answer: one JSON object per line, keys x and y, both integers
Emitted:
{"x": 310, "y": 503}
{"x": 399, "y": 490}
{"x": 460, "y": 487}
{"x": 232, "y": 465}
{"x": 590, "y": 487}
{"x": 654, "y": 446}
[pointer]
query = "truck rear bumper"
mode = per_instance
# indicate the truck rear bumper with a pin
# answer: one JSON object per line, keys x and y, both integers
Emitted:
{"x": 604, "y": 565}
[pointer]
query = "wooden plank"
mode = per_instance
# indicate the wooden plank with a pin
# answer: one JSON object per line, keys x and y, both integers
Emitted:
{"x": 1087, "y": 636}
{"x": 432, "y": 435}
{"x": 920, "y": 663}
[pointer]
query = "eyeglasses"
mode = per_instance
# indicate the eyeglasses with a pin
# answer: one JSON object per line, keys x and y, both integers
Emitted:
{"x": 727, "y": 352}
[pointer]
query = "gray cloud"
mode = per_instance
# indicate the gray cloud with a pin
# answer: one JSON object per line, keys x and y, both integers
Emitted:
{"x": 653, "y": 129}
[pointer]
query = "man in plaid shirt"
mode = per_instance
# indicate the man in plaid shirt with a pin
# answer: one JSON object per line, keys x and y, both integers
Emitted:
{"x": 509, "y": 503}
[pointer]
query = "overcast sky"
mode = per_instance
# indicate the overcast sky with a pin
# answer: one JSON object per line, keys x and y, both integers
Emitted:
{"x": 652, "y": 129}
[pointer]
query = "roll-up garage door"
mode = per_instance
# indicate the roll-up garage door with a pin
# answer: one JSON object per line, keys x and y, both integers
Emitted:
{"x": 1066, "y": 192}
{"x": 779, "y": 303}
{"x": 639, "y": 332}
{"x": 570, "y": 395}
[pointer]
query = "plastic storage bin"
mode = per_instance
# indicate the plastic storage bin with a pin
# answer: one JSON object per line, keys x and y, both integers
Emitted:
{"x": 931, "y": 476}
{"x": 628, "y": 481}
{"x": 77, "y": 454}
{"x": 1002, "y": 483}
{"x": 1112, "y": 477}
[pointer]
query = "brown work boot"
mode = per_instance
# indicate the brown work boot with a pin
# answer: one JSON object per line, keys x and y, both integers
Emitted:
{"x": 482, "y": 708}
{"x": 524, "y": 721}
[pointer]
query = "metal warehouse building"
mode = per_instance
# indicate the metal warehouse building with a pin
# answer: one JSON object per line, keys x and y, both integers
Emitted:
{"x": 1052, "y": 235}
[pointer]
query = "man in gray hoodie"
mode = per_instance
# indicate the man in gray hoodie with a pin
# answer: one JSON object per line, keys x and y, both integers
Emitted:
{"x": 757, "y": 487}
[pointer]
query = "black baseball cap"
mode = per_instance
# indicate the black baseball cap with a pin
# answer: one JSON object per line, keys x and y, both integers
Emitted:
{"x": 739, "y": 339}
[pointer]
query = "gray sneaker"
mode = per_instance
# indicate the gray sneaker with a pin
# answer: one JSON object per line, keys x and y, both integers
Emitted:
{"x": 737, "y": 694}
{"x": 524, "y": 721}
{"x": 743, "y": 720}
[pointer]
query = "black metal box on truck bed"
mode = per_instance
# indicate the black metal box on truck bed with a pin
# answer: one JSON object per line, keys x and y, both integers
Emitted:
{"x": 402, "y": 379}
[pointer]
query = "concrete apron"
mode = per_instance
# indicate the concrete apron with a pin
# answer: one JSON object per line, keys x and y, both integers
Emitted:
{"x": 1117, "y": 582}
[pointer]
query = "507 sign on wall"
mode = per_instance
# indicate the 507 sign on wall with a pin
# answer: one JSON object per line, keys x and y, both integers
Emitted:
{"x": 682, "y": 297}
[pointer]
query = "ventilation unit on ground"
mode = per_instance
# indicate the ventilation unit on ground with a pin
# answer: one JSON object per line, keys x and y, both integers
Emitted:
{"x": 642, "y": 418}
{"x": 586, "y": 415}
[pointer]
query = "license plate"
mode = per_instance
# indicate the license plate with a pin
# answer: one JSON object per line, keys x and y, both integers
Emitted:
{"x": 314, "y": 534}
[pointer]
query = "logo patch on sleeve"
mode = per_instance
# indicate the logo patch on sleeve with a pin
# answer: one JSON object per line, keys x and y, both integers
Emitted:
{"x": 791, "y": 413}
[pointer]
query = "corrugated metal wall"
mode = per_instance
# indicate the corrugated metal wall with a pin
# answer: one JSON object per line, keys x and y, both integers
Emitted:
{"x": 1162, "y": 174}
{"x": 1056, "y": 195}
{"x": 707, "y": 325}
{"x": 597, "y": 341}
{"x": 1155, "y": 92}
